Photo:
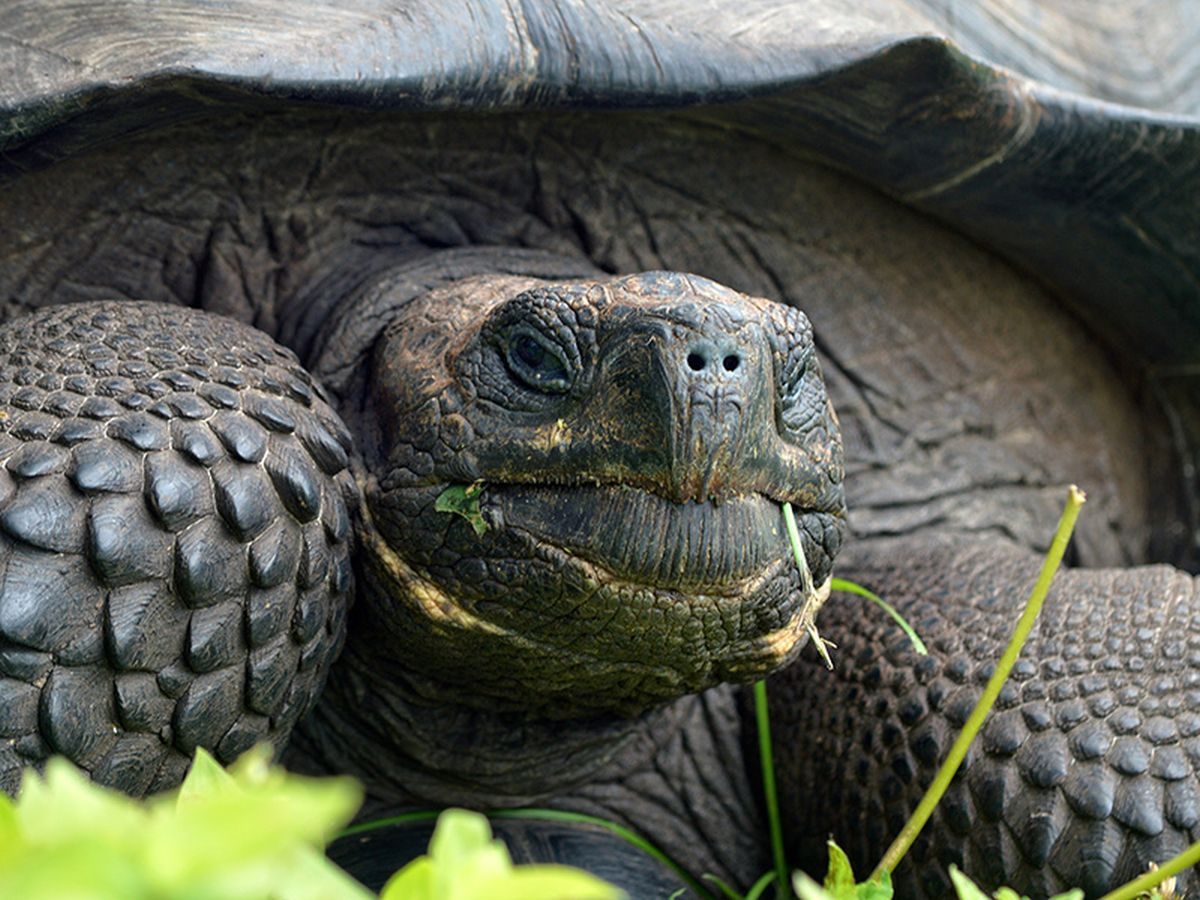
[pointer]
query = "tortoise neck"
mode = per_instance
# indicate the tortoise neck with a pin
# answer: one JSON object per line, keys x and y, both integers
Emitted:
{"x": 386, "y": 725}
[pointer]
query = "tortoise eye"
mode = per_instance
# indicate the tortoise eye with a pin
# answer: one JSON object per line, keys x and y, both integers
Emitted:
{"x": 537, "y": 363}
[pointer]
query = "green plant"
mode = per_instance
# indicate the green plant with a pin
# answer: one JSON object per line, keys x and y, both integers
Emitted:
{"x": 840, "y": 885}
{"x": 466, "y": 863}
{"x": 463, "y": 500}
{"x": 991, "y": 691}
{"x": 252, "y": 832}
{"x": 839, "y": 882}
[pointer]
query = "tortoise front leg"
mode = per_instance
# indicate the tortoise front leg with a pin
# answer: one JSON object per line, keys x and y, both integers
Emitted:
{"x": 1085, "y": 772}
{"x": 174, "y": 540}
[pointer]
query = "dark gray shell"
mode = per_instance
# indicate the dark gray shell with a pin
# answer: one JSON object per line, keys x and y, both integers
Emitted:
{"x": 922, "y": 99}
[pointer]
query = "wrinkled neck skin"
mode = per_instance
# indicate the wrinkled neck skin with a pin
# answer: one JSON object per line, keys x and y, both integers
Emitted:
{"x": 418, "y": 740}
{"x": 412, "y": 748}
{"x": 677, "y": 773}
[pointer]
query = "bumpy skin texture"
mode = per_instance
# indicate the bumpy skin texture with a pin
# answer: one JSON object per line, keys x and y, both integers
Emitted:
{"x": 174, "y": 540}
{"x": 1084, "y": 774}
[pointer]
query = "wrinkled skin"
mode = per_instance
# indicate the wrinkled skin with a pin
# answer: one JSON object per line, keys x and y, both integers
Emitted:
{"x": 635, "y": 440}
{"x": 967, "y": 397}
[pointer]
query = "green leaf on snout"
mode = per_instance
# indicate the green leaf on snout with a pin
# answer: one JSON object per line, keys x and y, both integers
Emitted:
{"x": 463, "y": 500}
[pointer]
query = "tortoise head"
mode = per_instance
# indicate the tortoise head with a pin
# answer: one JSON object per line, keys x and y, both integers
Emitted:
{"x": 573, "y": 498}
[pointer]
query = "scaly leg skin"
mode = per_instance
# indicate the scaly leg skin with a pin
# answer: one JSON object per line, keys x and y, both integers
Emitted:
{"x": 174, "y": 540}
{"x": 1086, "y": 770}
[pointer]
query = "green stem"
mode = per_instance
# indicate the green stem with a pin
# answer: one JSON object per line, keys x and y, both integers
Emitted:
{"x": 422, "y": 815}
{"x": 760, "y": 886}
{"x": 849, "y": 587}
{"x": 762, "y": 717}
{"x": 958, "y": 751}
{"x": 1155, "y": 877}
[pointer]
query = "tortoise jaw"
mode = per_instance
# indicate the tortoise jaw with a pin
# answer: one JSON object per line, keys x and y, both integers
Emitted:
{"x": 579, "y": 599}
{"x": 641, "y": 538}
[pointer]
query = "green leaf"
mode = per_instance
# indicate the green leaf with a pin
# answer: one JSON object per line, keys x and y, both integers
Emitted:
{"x": 966, "y": 889}
{"x": 79, "y": 869}
{"x": 413, "y": 882}
{"x": 63, "y": 805}
{"x": 253, "y": 816}
{"x": 297, "y": 873}
{"x": 466, "y": 863}
{"x": 807, "y": 889}
{"x": 839, "y": 880}
{"x": 463, "y": 500}
{"x": 252, "y": 833}
{"x": 876, "y": 890}
{"x": 205, "y": 779}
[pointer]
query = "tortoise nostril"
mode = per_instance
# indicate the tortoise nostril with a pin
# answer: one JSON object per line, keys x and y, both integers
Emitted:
{"x": 731, "y": 362}
{"x": 695, "y": 362}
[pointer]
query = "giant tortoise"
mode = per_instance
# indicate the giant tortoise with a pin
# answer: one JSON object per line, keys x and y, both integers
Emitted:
{"x": 278, "y": 283}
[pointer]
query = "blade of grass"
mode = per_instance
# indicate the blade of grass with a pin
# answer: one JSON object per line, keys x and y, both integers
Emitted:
{"x": 806, "y": 582}
{"x": 958, "y": 751}
{"x": 849, "y": 587}
{"x": 628, "y": 834}
{"x": 793, "y": 533}
{"x": 757, "y": 889}
{"x": 726, "y": 891}
{"x": 762, "y": 717}
{"x": 421, "y": 815}
{"x": 1143, "y": 883}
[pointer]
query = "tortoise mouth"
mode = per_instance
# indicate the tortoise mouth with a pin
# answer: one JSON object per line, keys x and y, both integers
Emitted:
{"x": 639, "y": 537}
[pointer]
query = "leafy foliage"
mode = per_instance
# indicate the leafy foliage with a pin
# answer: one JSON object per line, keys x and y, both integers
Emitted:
{"x": 466, "y": 863}
{"x": 968, "y": 890}
{"x": 840, "y": 885}
{"x": 839, "y": 882}
{"x": 252, "y": 832}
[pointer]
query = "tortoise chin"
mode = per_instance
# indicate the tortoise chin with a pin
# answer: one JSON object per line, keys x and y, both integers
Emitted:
{"x": 585, "y": 599}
